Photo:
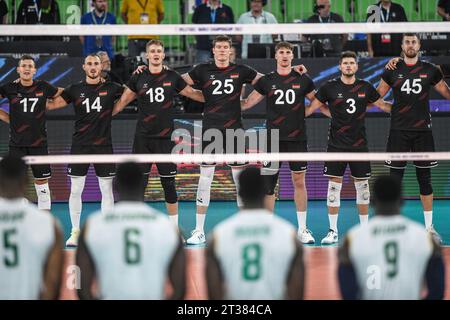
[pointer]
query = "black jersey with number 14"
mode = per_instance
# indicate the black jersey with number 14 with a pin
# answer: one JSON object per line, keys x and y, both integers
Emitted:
{"x": 93, "y": 105}
{"x": 348, "y": 104}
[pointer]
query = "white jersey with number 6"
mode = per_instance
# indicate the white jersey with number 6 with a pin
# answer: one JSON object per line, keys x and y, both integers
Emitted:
{"x": 255, "y": 251}
{"x": 390, "y": 257}
{"x": 26, "y": 236}
{"x": 132, "y": 247}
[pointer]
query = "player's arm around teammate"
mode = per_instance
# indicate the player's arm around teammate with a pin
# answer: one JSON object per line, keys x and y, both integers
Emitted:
{"x": 4, "y": 116}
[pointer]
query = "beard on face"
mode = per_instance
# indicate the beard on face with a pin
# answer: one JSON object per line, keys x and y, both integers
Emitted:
{"x": 409, "y": 54}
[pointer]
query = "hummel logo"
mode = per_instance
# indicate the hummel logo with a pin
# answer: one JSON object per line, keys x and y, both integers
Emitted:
{"x": 81, "y": 95}
{"x": 145, "y": 86}
{"x": 400, "y": 76}
{"x": 340, "y": 95}
{"x": 19, "y": 95}
{"x": 212, "y": 77}
{"x": 274, "y": 86}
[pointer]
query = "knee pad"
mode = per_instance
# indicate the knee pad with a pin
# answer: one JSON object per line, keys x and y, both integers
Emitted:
{"x": 106, "y": 188}
{"x": 170, "y": 192}
{"x": 424, "y": 178}
{"x": 204, "y": 185}
{"x": 334, "y": 194}
{"x": 77, "y": 185}
{"x": 362, "y": 192}
{"x": 43, "y": 195}
{"x": 270, "y": 181}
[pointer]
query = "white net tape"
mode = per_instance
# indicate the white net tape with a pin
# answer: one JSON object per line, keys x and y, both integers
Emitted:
{"x": 217, "y": 29}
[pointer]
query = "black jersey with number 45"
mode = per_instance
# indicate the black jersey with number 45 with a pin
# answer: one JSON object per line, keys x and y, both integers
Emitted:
{"x": 27, "y": 112}
{"x": 411, "y": 86}
{"x": 93, "y": 105}
{"x": 155, "y": 93}
{"x": 221, "y": 88}
{"x": 348, "y": 105}
{"x": 285, "y": 96}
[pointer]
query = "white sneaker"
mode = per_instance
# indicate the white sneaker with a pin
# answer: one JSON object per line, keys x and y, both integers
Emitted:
{"x": 197, "y": 237}
{"x": 331, "y": 238}
{"x": 73, "y": 239}
{"x": 434, "y": 234}
{"x": 305, "y": 236}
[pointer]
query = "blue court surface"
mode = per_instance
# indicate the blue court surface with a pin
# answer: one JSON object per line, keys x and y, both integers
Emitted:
{"x": 317, "y": 215}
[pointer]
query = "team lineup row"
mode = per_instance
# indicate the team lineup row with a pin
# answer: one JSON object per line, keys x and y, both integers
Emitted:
{"x": 344, "y": 99}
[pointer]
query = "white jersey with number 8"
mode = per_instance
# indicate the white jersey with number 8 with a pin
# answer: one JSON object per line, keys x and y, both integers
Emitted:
{"x": 255, "y": 251}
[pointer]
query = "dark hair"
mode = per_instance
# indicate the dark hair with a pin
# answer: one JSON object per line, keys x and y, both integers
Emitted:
{"x": 285, "y": 45}
{"x": 348, "y": 54}
{"x": 27, "y": 57}
{"x": 12, "y": 168}
{"x": 155, "y": 42}
{"x": 252, "y": 187}
{"x": 222, "y": 38}
{"x": 387, "y": 191}
{"x": 410, "y": 34}
{"x": 129, "y": 178}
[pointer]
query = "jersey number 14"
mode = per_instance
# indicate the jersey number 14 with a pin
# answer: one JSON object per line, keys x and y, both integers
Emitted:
{"x": 94, "y": 106}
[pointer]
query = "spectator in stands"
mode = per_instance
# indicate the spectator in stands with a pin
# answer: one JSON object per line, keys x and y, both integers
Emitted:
{"x": 141, "y": 12}
{"x": 256, "y": 15}
{"x": 3, "y": 12}
{"x": 107, "y": 73}
{"x": 443, "y": 9}
{"x": 212, "y": 12}
{"x": 379, "y": 45}
{"x": 100, "y": 16}
{"x": 329, "y": 45}
{"x": 38, "y": 12}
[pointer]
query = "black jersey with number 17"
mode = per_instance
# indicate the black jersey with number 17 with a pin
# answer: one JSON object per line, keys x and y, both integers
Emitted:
{"x": 93, "y": 105}
{"x": 155, "y": 93}
{"x": 348, "y": 104}
{"x": 285, "y": 96}
{"x": 27, "y": 112}
{"x": 221, "y": 88}
{"x": 411, "y": 85}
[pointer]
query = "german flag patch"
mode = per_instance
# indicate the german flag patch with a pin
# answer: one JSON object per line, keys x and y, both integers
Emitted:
{"x": 167, "y": 84}
{"x": 361, "y": 95}
{"x": 234, "y": 75}
{"x": 39, "y": 93}
{"x": 423, "y": 75}
{"x": 295, "y": 86}
{"x": 102, "y": 93}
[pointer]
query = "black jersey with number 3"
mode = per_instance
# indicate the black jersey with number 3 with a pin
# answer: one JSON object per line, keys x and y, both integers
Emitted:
{"x": 155, "y": 93}
{"x": 411, "y": 86}
{"x": 93, "y": 105}
{"x": 285, "y": 96}
{"x": 221, "y": 88}
{"x": 27, "y": 112}
{"x": 348, "y": 105}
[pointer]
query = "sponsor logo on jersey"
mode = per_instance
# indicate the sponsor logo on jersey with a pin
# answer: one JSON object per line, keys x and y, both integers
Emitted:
{"x": 103, "y": 93}
{"x": 423, "y": 75}
{"x": 39, "y": 93}
{"x": 361, "y": 95}
{"x": 167, "y": 84}
{"x": 234, "y": 75}
{"x": 296, "y": 86}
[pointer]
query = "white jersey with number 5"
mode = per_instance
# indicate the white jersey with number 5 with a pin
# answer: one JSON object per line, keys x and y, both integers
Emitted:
{"x": 26, "y": 236}
{"x": 255, "y": 251}
{"x": 132, "y": 247}
{"x": 390, "y": 257}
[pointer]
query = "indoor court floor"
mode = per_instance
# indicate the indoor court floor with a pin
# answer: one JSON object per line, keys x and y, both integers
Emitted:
{"x": 321, "y": 262}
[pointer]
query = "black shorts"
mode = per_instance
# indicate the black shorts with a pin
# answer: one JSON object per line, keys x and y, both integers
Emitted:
{"x": 288, "y": 146}
{"x": 410, "y": 141}
{"x": 234, "y": 145}
{"x": 358, "y": 169}
{"x": 40, "y": 171}
{"x": 143, "y": 145}
{"x": 102, "y": 170}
